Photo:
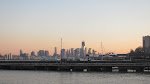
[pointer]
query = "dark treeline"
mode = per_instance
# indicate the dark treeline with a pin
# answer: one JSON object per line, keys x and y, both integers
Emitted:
{"x": 139, "y": 53}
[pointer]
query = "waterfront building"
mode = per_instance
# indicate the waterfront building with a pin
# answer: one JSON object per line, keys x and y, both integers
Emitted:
{"x": 2, "y": 57}
{"x": 146, "y": 44}
{"x": 46, "y": 53}
{"x": 24, "y": 56}
{"x": 72, "y": 52}
{"x": 77, "y": 53}
{"x": 63, "y": 53}
{"x": 55, "y": 50}
{"x": 33, "y": 53}
{"x": 94, "y": 52}
{"x": 82, "y": 50}
{"x": 21, "y": 52}
{"x": 67, "y": 53}
{"x": 41, "y": 53}
{"x": 8, "y": 57}
{"x": 17, "y": 57}
{"x": 90, "y": 51}
{"x": 55, "y": 55}
{"x": 85, "y": 50}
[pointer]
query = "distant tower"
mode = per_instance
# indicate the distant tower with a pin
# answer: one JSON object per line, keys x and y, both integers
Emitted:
{"x": 85, "y": 50}
{"x": 41, "y": 53}
{"x": 55, "y": 50}
{"x": 32, "y": 53}
{"x": 9, "y": 56}
{"x": 21, "y": 52}
{"x": 72, "y": 51}
{"x": 90, "y": 51}
{"x": 61, "y": 50}
{"x": 67, "y": 53}
{"x": 82, "y": 53}
{"x": 63, "y": 54}
{"x": 83, "y": 43}
{"x": 46, "y": 53}
{"x": 94, "y": 51}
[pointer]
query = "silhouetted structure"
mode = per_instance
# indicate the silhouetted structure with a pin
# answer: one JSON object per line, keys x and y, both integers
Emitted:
{"x": 46, "y": 53}
{"x": 41, "y": 53}
{"x": 146, "y": 46}
{"x": 32, "y": 53}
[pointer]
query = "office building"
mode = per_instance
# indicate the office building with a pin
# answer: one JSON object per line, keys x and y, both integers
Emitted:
{"x": 41, "y": 53}
{"x": 21, "y": 52}
{"x": 90, "y": 51}
{"x": 33, "y": 53}
{"x": 83, "y": 43}
{"x": 63, "y": 54}
{"x": 55, "y": 50}
{"x": 82, "y": 50}
{"x": 146, "y": 44}
{"x": 85, "y": 50}
{"x": 8, "y": 57}
{"x": 77, "y": 52}
{"x": 72, "y": 52}
{"x": 46, "y": 53}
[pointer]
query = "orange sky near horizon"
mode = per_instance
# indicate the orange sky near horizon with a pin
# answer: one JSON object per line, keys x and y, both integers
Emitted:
{"x": 33, "y": 25}
{"x": 116, "y": 46}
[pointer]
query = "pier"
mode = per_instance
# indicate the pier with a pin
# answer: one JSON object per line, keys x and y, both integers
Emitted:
{"x": 75, "y": 66}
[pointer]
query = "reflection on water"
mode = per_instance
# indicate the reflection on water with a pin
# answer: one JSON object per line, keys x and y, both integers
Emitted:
{"x": 52, "y": 77}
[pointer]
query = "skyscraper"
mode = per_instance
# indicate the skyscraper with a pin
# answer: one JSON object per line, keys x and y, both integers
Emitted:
{"x": 55, "y": 51}
{"x": 72, "y": 51}
{"x": 77, "y": 53}
{"x": 82, "y": 50}
{"x": 63, "y": 54}
{"x": 85, "y": 52}
{"x": 83, "y": 43}
{"x": 21, "y": 52}
{"x": 90, "y": 51}
{"x": 9, "y": 57}
{"x": 41, "y": 53}
{"x": 23, "y": 55}
{"x": 67, "y": 53}
{"x": 146, "y": 44}
{"x": 32, "y": 53}
{"x": 46, "y": 53}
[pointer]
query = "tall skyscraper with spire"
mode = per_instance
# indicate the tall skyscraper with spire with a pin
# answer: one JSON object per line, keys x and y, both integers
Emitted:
{"x": 83, "y": 43}
{"x": 82, "y": 53}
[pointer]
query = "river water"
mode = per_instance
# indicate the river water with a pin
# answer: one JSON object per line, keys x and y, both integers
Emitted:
{"x": 56, "y": 77}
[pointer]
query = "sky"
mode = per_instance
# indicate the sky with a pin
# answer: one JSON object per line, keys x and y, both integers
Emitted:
{"x": 33, "y": 25}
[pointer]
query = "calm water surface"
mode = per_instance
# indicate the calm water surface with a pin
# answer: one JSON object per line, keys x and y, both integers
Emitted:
{"x": 55, "y": 77}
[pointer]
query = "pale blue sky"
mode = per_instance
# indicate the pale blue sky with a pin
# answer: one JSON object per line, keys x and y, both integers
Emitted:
{"x": 39, "y": 24}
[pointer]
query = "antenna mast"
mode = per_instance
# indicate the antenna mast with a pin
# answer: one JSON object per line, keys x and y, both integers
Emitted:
{"x": 61, "y": 51}
{"x": 102, "y": 50}
{"x": 101, "y": 47}
{"x": 61, "y": 43}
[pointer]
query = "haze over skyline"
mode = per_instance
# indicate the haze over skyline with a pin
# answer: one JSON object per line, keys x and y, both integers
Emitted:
{"x": 33, "y": 25}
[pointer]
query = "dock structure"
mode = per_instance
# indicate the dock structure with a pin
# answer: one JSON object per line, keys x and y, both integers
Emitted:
{"x": 75, "y": 66}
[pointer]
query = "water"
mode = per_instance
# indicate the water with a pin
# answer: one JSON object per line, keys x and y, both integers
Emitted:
{"x": 55, "y": 77}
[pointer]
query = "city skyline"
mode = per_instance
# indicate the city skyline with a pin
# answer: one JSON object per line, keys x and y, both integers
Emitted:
{"x": 83, "y": 47}
{"x": 34, "y": 25}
